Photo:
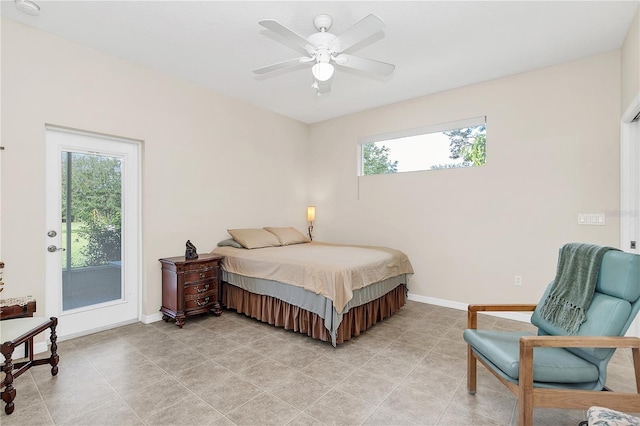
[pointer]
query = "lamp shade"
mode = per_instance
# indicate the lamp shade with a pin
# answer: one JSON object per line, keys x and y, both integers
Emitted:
{"x": 311, "y": 213}
{"x": 322, "y": 71}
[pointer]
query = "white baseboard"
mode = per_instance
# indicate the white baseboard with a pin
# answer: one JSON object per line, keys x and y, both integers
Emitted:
{"x": 41, "y": 347}
{"x": 516, "y": 316}
{"x": 148, "y": 319}
{"x": 95, "y": 330}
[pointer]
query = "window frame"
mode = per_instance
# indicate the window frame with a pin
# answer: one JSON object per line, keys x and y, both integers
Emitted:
{"x": 423, "y": 130}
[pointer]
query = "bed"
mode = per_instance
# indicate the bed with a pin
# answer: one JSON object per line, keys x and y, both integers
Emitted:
{"x": 331, "y": 292}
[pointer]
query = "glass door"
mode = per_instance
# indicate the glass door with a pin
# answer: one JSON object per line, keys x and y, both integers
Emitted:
{"x": 93, "y": 231}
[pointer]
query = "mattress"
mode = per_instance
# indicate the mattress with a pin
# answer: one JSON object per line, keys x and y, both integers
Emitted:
{"x": 334, "y": 271}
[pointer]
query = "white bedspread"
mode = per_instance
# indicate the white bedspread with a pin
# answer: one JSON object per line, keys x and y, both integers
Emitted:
{"x": 332, "y": 270}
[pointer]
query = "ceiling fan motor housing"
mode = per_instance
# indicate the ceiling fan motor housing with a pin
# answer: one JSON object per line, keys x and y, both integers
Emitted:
{"x": 323, "y": 22}
{"x": 322, "y": 46}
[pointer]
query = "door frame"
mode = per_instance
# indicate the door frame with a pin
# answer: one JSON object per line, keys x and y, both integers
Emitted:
{"x": 630, "y": 177}
{"x": 53, "y": 306}
{"x": 630, "y": 186}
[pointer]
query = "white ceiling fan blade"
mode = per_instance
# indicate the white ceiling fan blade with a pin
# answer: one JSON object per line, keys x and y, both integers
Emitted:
{"x": 363, "y": 29}
{"x": 364, "y": 64}
{"x": 285, "y": 32}
{"x": 283, "y": 64}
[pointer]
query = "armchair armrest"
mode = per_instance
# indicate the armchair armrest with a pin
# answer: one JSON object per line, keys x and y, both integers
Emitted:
{"x": 472, "y": 311}
{"x": 579, "y": 342}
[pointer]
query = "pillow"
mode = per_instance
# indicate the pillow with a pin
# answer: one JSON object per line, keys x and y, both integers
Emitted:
{"x": 254, "y": 238}
{"x": 288, "y": 236}
{"x": 230, "y": 242}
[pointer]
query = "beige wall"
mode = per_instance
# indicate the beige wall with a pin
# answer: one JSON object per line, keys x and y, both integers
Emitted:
{"x": 630, "y": 64}
{"x": 552, "y": 152}
{"x": 553, "y": 137}
{"x": 209, "y": 161}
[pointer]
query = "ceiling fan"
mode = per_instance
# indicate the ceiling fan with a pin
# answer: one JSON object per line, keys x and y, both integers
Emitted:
{"x": 325, "y": 49}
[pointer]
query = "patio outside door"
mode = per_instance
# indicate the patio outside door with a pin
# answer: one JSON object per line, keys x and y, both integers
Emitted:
{"x": 92, "y": 235}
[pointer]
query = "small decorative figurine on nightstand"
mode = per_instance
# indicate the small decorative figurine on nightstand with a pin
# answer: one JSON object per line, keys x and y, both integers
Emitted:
{"x": 191, "y": 252}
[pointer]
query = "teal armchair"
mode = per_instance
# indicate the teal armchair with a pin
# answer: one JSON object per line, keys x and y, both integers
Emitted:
{"x": 554, "y": 369}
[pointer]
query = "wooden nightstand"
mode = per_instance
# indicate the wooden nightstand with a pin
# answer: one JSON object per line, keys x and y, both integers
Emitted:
{"x": 190, "y": 287}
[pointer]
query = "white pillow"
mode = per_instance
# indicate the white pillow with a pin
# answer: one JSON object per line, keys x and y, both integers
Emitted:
{"x": 288, "y": 236}
{"x": 254, "y": 238}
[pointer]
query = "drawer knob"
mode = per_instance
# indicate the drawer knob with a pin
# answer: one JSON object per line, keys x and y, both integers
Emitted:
{"x": 201, "y": 274}
{"x": 203, "y": 289}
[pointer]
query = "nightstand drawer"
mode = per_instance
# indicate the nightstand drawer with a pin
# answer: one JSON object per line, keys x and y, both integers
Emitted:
{"x": 200, "y": 287}
{"x": 197, "y": 264}
{"x": 200, "y": 302}
{"x": 200, "y": 275}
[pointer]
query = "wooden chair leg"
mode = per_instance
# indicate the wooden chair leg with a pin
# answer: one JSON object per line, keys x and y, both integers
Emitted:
{"x": 9, "y": 392}
{"x": 525, "y": 385}
{"x": 54, "y": 359}
{"x": 472, "y": 365}
{"x": 472, "y": 368}
{"x": 635, "y": 353}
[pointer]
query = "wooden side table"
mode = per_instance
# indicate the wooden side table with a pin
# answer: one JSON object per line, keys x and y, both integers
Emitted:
{"x": 190, "y": 287}
{"x": 15, "y": 332}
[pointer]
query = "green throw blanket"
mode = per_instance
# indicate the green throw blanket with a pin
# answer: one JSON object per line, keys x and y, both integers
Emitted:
{"x": 574, "y": 285}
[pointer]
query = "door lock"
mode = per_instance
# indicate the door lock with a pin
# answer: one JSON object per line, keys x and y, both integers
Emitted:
{"x": 52, "y": 233}
{"x": 53, "y": 249}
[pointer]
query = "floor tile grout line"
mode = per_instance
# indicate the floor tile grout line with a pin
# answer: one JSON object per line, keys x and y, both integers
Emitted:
{"x": 112, "y": 388}
{"x": 188, "y": 388}
{"x": 263, "y": 390}
{"x": 256, "y": 396}
{"x": 169, "y": 374}
{"x": 46, "y": 407}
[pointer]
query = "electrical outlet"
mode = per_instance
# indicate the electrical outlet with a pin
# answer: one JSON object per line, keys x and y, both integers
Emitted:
{"x": 517, "y": 280}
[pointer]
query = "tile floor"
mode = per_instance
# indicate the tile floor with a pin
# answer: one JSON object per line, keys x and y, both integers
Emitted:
{"x": 232, "y": 370}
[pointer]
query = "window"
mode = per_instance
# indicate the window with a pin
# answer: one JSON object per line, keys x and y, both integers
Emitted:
{"x": 442, "y": 146}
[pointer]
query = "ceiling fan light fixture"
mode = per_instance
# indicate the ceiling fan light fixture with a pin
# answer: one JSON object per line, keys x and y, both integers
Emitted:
{"x": 326, "y": 50}
{"x": 322, "y": 71}
{"x": 28, "y": 7}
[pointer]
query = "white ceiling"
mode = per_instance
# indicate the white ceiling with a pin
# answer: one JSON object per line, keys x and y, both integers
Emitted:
{"x": 435, "y": 45}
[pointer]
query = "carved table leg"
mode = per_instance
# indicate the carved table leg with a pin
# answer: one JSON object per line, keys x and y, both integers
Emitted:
{"x": 54, "y": 359}
{"x": 217, "y": 310}
{"x": 9, "y": 393}
{"x": 180, "y": 320}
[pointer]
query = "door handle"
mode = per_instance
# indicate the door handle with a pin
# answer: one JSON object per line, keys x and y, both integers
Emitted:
{"x": 53, "y": 249}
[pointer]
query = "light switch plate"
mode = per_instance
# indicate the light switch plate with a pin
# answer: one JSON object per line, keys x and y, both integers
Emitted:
{"x": 597, "y": 219}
